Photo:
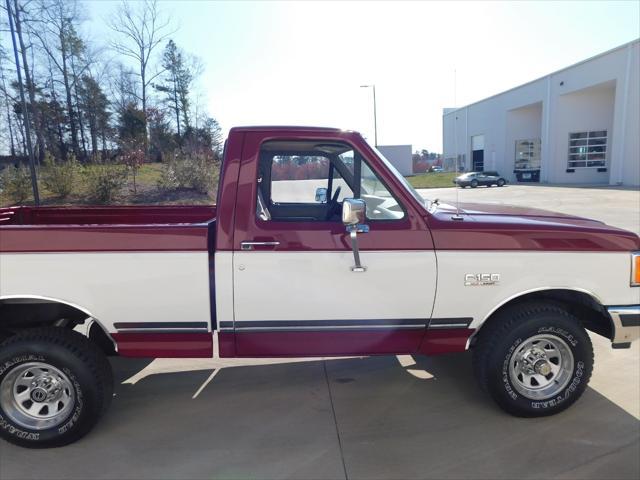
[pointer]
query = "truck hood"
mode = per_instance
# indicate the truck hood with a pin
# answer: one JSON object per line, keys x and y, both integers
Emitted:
{"x": 495, "y": 209}
{"x": 497, "y": 226}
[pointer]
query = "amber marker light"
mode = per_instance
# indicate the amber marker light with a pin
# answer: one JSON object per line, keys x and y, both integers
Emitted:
{"x": 635, "y": 269}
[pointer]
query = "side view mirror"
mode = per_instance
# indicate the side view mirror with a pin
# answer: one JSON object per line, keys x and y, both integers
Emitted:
{"x": 321, "y": 195}
{"x": 353, "y": 212}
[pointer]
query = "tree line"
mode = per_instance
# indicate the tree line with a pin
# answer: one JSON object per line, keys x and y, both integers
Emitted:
{"x": 131, "y": 97}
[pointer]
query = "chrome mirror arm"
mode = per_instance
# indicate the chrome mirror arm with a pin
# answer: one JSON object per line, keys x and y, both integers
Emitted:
{"x": 353, "y": 235}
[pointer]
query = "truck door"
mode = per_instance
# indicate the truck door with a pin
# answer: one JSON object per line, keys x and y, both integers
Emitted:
{"x": 294, "y": 289}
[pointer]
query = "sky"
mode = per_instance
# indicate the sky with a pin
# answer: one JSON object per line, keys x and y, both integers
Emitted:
{"x": 302, "y": 63}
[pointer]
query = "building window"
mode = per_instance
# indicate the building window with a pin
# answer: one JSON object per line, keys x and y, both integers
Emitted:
{"x": 588, "y": 149}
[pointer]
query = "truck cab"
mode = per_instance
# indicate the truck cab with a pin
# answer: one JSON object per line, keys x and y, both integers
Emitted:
{"x": 291, "y": 261}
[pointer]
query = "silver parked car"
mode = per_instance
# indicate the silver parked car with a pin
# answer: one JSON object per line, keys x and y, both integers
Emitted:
{"x": 473, "y": 179}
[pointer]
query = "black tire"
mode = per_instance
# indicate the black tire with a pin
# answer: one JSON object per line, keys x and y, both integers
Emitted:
{"x": 86, "y": 370}
{"x": 498, "y": 346}
{"x": 474, "y": 183}
{"x": 501, "y": 183}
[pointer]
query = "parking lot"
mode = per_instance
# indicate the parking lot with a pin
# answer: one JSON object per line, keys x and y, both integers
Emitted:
{"x": 614, "y": 205}
{"x": 399, "y": 417}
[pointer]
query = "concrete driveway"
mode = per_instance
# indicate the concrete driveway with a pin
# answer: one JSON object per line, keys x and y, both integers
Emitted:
{"x": 381, "y": 417}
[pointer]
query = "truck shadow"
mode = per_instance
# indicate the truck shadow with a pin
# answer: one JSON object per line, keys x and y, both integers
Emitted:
{"x": 303, "y": 420}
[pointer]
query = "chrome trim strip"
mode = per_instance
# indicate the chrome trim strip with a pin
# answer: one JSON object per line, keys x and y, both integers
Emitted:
{"x": 329, "y": 328}
{"x": 630, "y": 320}
{"x": 626, "y": 323}
{"x": 344, "y": 324}
{"x": 455, "y": 322}
{"x": 161, "y": 325}
{"x": 448, "y": 325}
{"x": 163, "y": 330}
{"x": 328, "y": 323}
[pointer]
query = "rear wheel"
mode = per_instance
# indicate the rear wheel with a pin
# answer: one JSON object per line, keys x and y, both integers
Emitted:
{"x": 54, "y": 386}
{"x": 534, "y": 360}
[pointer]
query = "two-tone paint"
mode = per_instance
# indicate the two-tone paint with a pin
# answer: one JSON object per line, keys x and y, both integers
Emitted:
{"x": 160, "y": 280}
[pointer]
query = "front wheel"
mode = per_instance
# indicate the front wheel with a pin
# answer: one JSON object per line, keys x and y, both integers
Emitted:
{"x": 501, "y": 183}
{"x": 534, "y": 360}
{"x": 474, "y": 183}
{"x": 54, "y": 386}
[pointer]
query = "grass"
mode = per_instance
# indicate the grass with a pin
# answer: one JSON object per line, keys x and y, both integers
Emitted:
{"x": 150, "y": 173}
{"x": 432, "y": 180}
{"x": 147, "y": 192}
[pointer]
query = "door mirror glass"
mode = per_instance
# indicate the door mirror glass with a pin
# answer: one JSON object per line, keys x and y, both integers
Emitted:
{"x": 354, "y": 211}
{"x": 321, "y": 195}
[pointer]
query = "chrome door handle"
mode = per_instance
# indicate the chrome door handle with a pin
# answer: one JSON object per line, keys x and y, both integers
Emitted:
{"x": 251, "y": 245}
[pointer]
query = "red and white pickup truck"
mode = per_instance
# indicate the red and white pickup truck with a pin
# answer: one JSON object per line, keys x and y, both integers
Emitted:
{"x": 316, "y": 247}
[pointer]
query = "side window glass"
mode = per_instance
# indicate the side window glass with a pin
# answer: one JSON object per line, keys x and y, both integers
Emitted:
{"x": 301, "y": 181}
{"x": 296, "y": 178}
{"x": 381, "y": 204}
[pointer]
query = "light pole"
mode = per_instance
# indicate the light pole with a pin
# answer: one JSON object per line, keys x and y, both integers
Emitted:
{"x": 375, "y": 119}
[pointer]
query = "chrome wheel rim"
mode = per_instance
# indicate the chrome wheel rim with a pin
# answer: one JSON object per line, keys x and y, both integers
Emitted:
{"x": 37, "y": 395}
{"x": 541, "y": 367}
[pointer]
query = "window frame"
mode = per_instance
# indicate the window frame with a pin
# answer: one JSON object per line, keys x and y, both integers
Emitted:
{"x": 346, "y": 175}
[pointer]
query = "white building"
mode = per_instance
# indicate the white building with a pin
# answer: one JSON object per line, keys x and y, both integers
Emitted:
{"x": 577, "y": 125}
{"x": 400, "y": 156}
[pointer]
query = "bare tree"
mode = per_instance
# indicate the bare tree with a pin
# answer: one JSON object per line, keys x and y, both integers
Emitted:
{"x": 122, "y": 87}
{"x": 56, "y": 30}
{"x": 7, "y": 102}
{"x": 141, "y": 30}
{"x": 19, "y": 14}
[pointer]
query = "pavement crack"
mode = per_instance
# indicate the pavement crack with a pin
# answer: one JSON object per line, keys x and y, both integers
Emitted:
{"x": 594, "y": 459}
{"x": 335, "y": 420}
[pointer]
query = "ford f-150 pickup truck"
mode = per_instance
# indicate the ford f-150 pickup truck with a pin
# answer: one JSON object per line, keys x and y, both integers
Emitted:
{"x": 316, "y": 247}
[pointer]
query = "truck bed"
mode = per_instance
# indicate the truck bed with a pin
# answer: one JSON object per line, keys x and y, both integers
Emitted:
{"x": 109, "y": 228}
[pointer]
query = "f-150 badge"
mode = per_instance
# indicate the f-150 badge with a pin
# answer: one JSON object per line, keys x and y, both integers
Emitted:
{"x": 480, "y": 279}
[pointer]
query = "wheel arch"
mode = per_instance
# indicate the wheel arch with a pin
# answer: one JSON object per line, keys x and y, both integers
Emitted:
{"x": 585, "y": 305}
{"x": 49, "y": 306}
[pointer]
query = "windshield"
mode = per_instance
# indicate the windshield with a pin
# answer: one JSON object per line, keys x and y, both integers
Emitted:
{"x": 421, "y": 200}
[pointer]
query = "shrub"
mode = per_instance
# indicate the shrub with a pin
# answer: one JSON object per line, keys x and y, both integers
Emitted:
{"x": 133, "y": 157}
{"x": 168, "y": 180}
{"x": 59, "y": 178}
{"x": 16, "y": 183}
{"x": 196, "y": 172}
{"x": 104, "y": 181}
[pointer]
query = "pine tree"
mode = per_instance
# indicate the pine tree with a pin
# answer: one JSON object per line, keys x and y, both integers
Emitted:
{"x": 176, "y": 85}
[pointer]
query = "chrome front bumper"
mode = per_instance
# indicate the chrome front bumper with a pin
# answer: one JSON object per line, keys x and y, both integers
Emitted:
{"x": 626, "y": 325}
